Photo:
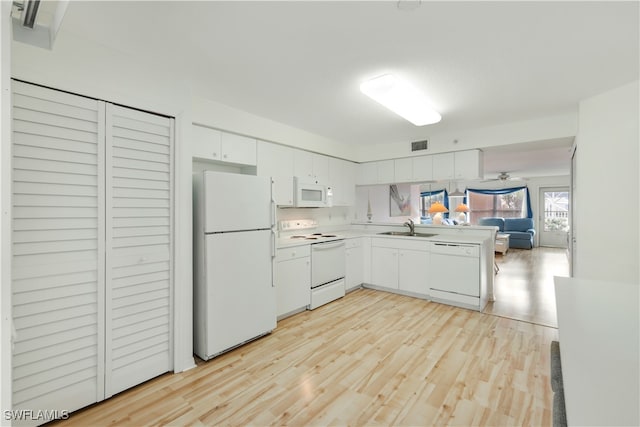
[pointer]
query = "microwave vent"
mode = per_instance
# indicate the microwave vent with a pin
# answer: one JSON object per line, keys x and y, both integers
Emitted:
{"x": 420, "y": 145}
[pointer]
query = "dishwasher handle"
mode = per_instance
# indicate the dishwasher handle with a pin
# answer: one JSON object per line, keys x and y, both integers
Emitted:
{"x": 327, "y": 245}
{"x": 455, "y": 249}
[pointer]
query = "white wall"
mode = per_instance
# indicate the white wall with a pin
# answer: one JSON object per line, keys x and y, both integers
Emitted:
{"x": 5, "y": 209}
{"x": 334, "y": 218}
{"x": 607, "y": 160}
{"x": 559, "y": 126}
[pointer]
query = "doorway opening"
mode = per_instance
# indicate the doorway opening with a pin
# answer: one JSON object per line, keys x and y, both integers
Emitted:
{"x": 553, "y": 227}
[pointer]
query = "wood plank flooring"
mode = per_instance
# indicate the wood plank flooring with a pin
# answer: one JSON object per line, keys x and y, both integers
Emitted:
{"x": 524, "y": 287}
{"x": 371, "y": 358}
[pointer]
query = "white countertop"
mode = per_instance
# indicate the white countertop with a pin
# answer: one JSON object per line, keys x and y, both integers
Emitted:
{"x": 599, "y": 351}
{"x": 286, "y": 241}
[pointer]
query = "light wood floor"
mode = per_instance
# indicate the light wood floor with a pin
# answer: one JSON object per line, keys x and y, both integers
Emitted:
{"x": 524, "y": 286}
{"x": 371, "y": 358}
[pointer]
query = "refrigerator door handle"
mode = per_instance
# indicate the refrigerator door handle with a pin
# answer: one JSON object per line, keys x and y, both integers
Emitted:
{"x": 273, "y": 257}
{"x": 273, "y": 213}
{"x": 273, "y": 244}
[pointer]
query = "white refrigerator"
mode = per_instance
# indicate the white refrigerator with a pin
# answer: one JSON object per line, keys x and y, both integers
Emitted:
{"x": 234, "y": 246}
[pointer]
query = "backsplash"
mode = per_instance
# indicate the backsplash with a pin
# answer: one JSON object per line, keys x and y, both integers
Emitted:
{"x": 326, "y": 217}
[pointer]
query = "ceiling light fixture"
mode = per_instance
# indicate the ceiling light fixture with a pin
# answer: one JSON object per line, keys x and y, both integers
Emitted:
{"x": 401, "y": 98}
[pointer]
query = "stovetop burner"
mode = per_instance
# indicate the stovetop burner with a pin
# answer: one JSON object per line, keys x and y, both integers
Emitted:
{"x": 314, "y": 236}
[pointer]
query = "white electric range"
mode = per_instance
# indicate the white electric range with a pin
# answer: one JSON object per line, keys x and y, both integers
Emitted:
{"x": 327, "y": 259}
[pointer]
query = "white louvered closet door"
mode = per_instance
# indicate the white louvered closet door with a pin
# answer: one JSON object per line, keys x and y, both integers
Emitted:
{"x": 57, "y": 242}
{"x": 139, "y": 249}
{"x": 91, "y": 248}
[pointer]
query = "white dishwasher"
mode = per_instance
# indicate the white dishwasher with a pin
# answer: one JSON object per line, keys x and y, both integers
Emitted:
{"x": 455, "y": 274}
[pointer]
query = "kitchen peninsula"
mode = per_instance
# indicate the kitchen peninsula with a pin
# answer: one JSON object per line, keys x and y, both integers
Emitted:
{"x": 446, "y": 264}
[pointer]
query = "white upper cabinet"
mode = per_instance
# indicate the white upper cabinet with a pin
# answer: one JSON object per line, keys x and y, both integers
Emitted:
{"x": 386, "y": 172}
{"x": 205, "y": 143}
{"x": 311, "y": 165}
{"x": 212, "y": 144}
{"x": 403, "y": 170}
{"x": 466, "y": 164}
{"x": 276, "y": 161}
{"x": 422, "y": 168}
{"x": 342, "y": 180}
{"x": 381, "y": 172}
{"x": 469, "y": 164}
{"x": 443, "y": 166}
{"x": 238, "y": 149}
{"x": 320, "y": 168}
{"x": 302, "y": 163}
{"x": 367, "y": 173}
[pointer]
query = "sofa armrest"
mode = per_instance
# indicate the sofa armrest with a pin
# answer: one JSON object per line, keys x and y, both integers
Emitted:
{"x": 532, "y": 231}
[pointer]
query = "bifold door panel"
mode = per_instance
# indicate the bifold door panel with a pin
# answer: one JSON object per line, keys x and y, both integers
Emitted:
{"x": 91, "y": 248}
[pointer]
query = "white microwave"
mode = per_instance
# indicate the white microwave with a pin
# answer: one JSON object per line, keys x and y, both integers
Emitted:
{"x": 308, "y": 193}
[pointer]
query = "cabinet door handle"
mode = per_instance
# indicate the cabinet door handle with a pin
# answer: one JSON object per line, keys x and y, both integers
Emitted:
{"x": 215, "y": 154}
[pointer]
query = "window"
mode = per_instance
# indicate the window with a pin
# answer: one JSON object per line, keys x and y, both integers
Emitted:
{"x": 505, "y": 203}
{"x": 427, "y": 198}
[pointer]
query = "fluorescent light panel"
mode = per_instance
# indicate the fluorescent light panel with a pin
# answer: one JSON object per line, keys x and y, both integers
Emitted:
{"x": 401, "y": 98}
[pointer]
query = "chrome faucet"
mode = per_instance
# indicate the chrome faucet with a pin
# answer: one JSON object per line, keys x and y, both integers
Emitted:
{"x": 412, "y": 227}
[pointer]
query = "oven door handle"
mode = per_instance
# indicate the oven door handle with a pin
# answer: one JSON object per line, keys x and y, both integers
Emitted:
{"x": 328, "y": 245}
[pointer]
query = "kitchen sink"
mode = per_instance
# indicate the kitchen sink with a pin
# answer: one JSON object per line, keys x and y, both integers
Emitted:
{"x": 406, "y": 233}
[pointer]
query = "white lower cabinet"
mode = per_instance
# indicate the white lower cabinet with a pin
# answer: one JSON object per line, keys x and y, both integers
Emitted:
{"x": 91, "y": 248}
{"x": 354, "y": 263}
{"x": 292, "y": 278}
{"x": 400, "y": 264}
{"x": 384, "y": 266}
{"x": 413, "y": 271}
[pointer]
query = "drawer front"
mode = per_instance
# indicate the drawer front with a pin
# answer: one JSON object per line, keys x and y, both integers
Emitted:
{"x": 412, "y": 243}
{"x": 327, "y": 293}
{"x": 381, "y": 242}
{"x": 353, "y": 243}
{"x": 284, "y": 254}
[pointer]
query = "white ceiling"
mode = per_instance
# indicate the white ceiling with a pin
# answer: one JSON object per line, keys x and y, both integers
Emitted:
{"x": 301, "y": 63}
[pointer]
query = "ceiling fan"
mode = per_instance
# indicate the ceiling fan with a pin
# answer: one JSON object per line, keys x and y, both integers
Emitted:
{"x": 504, "y": 177}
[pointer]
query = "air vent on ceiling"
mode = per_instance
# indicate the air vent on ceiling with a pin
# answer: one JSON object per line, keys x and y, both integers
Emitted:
{"x": 420, "y": 145}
